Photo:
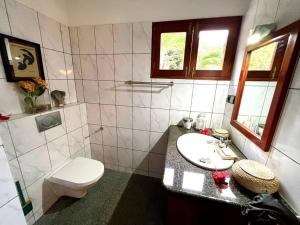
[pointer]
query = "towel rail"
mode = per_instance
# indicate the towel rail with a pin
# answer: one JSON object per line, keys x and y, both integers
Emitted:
{"x": 131, "y": 82}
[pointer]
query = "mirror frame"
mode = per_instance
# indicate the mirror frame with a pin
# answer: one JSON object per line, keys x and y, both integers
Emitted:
{"x": 285, "y": 75}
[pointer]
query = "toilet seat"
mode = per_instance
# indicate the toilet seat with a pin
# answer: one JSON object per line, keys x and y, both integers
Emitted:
{"x": 80, "y": 172}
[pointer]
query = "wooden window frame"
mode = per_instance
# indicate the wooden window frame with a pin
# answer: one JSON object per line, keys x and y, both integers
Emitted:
{"x": 192, "y": 29}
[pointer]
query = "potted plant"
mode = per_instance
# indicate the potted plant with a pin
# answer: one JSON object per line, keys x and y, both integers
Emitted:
{"x": 34, "y": 89}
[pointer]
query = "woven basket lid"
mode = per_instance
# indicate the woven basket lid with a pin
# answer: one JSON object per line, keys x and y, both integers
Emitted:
{"x": 221, "y": 131}
{"x": 256, "y": 169}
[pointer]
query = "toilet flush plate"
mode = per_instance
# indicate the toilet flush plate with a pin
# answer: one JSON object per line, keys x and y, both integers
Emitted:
{"x": 198, "y": 149}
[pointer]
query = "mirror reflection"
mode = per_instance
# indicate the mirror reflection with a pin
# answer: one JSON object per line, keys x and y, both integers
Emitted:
{"x": 263, "y": 67}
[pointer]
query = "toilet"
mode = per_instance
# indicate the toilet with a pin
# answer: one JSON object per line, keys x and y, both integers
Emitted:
{"x": 75, "y": 177}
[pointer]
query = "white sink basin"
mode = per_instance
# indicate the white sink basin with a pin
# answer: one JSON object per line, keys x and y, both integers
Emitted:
{"x": 198, "y": 149}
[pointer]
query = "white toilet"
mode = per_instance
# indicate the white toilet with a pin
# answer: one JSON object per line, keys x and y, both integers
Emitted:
{"x": 75, "y": 177}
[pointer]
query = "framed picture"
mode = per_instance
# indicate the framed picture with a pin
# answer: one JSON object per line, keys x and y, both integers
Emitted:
{"x": 22, "y": 60}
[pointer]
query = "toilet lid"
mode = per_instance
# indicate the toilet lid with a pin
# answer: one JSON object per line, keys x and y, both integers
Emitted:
{"x": 79, "y": 172}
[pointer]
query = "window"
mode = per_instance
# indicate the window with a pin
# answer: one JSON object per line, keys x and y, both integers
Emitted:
{"x": 194, "y": 49}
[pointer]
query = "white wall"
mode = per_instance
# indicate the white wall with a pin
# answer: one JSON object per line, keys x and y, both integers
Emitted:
{"x": 284, "y": 155}
{"x": 56, "y": 9}
{"x": 89, "y": 12}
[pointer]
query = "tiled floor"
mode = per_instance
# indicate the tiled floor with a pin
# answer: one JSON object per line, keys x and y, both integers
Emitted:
{"x": 117, "y": 199}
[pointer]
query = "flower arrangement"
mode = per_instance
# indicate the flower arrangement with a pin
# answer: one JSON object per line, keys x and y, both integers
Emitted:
{"x": 33, "y": 89}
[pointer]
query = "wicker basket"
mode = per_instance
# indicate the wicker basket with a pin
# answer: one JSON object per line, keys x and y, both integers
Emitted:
{"x": 255, "y": 176}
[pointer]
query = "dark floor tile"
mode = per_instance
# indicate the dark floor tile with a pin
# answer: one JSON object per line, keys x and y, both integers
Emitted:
{"x": 117, "y": 199}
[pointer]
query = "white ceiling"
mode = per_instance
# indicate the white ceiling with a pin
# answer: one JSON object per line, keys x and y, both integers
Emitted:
{"x": 88, "y": 12}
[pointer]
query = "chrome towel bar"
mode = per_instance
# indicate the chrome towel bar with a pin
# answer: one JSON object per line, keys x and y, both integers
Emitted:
{"x": 131, "y": 82}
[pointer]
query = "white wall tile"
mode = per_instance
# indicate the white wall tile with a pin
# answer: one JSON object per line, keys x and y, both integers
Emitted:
{"x": 71, "y": 116}
{"x": 110, "y": 155}
{"x": 109, "y": 136}
{"x": 220, "y": 98}
{"x": 237, "y": 138}
{"x": 252, "y": 151}
{"x": 141, "y": 118}
{"x": 106, "y": 67}
{"x": 216, "y": 120}
{"x": 55, "y": 64}
{"x": 86, "y": 38}
{"x": 89, "y": 67}
{"x": 181, "y": 96}
{"x": 12, "y": 213}
{"x": 123, "y": 67}
{"x": 107, "y": 92}
{"x": 286, "y": 170}
{"x": 72, "y": 91}
{"x": 125, "y": 157}
{"x": 122, "y": 38}
{"x": 93, "y": 113}
{"x": 95, "y": 134}
{"x": 57, "y": 131}
{"x": 83, "y": 114}
{"x": 7, "y": 141}
{"x": 287, "y": 134}
{"x": 4, "y": 24}
{"x": 140, "y": 140}
{"x": 141, "y": 67}
{"x": 16, "y": 172}
{"x": 59, "y": 151}
{"x": 108, "y": 115}
{"x": 69, "y": 66}
{"x": 74, "y": 40}
{"x": 203, "y": 98}
{"x": 7, "y": 186}
{"x": 23, "y": 131}
{"x": 123, "y": 94}
{"x": 159, "y": 120}
{"x": 104, "y": 39}
{"x": 35, "y": 164}
{"x": 176, "y": 116}
{"x": 91, "y": 92}
{"x": 23, "y": 21}
{"x": 79, "y": 90}
{"x": 141, "y": 96}
{"x": 161, "y": 97}
{"x": 97, "y": 152}
{"x": 142, "y": 33}
{"x": 51, "y": 33}
{"x": 65, "y": 38}
{"x": 12, "y": 104}
{"x": 77, "y": 66}
{"x": 124, "y": 138}
{"x": 76, "y": 142}
{"x": 124, "y": 116}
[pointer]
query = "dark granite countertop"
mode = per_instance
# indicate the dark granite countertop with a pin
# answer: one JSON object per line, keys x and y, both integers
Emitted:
{"x": 183, "y": 177}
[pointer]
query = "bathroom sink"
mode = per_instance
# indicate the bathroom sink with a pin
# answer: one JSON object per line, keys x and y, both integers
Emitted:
{"x": 201, "y": 150}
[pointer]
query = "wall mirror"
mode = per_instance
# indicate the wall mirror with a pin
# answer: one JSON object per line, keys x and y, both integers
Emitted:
{"x": 265, "y": 77}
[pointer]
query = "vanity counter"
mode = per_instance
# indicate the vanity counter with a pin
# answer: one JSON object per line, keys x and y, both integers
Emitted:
{"x": 181, "y": 176}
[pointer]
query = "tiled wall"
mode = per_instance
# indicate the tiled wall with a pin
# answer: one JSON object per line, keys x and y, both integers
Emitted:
{"x": 25, "y": 23}
{"x": 284, "y": 155}
{"x": 10, "y": 207}
{"x": 33, "y": 155}
{"x": 135, "y": 119}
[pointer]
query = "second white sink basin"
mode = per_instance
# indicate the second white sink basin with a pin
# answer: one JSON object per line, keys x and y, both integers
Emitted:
{"x": 199, "y": 150}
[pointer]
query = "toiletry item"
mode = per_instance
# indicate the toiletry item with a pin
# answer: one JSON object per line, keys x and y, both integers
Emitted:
{"x": 206, "y": 131}
{"x": 227, "y": 154}
{"x": 200, "y": 122}
{"x": 187, "y": 122}
{"x": 3, "y": 118}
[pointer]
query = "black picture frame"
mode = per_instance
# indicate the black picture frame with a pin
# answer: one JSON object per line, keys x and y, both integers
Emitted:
{"x": 29, "y": 62}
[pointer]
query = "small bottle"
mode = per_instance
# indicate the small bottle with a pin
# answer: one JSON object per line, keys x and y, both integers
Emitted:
{"x": 200, "y": 122}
